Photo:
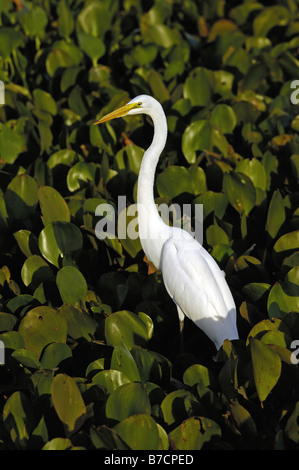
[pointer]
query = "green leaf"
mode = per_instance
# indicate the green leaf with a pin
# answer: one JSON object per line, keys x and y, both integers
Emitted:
{"x": 58, "y": 443}
{"x": 240, "y": 191}
{"x": 284, "y": 296}
{"x": 199, "y": 374}
{"x": 175, "y": 406}
{"x": 175, "y": 180}
{"x": 224, "y": 117}
{"x": 79, "y": 323}
{"x": 35, "y": 270}
{"x": 196, "y": 137}
{"x": 18, "y": 418}
{"x": 68, "y": 402}
{"x": 127, "y": 400}
{"x": 198, "y": 87}
{"x": 7, "y": 321}
{"x": 54, "y": 354}
{"x": 53, "y": 206}
{"x": 270, "y": 17}
{"x": 254, "y": 169}
{"x": 59, "y": 240}
{"x": 79, "y": 175}
{"x": 139, "y": 432}
{"x": 286, "y": 244}
{"x": 266, "y": 368}
{"x": 93, "y": 47}
{"x": 27, "y": 242}
{"x": 123, "y": 361}
{"x": 34, "y": 21}
{"x": 62, "y": 55}
{"x": 126, "y": 327}
{"x": 21, "y": 196}
{"x": 12, "y": 143}
{"x": 194, "y": 433}
{"x": 42, "y": 326}
{"x": 110, "y": 379}
{"x": 45, "y": 101}
{"x": 65, "y": 19}
{"x": 276, "y": 214}
{"x": 27, "y": 358}
{"x": 72, "y": 286}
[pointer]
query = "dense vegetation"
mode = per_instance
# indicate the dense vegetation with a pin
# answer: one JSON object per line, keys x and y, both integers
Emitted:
{"x": 92, "y": 356}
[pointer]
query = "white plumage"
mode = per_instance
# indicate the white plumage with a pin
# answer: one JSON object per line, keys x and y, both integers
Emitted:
{"x": 191, "y": 276}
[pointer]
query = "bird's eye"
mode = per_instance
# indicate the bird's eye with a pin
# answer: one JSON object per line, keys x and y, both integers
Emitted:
{"x": 139, "y": 104}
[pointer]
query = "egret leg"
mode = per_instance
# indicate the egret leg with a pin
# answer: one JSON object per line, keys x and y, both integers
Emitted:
{"x": 181, "y": 326}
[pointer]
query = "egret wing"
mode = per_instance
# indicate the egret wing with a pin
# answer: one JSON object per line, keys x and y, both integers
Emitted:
{"x": 197, "y": 285}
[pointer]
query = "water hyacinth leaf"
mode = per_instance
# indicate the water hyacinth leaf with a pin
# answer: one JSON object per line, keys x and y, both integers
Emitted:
{"x": 195, "y": 434}
{"x": 254, "y": 169}
{"x": 286, "y": 244}
{"x": 53, "y": 206}
{"x": 276, "y": 214}
{"x": 59, "y": 240}
{"x": 175, "y": 180}
{"x": 198, "y": 87}
{"x": 175, "y": 404}
{"x": 35, "y": 270}
{"x": 54, "y": 354}
{"x": 27, "y": 358}
{"x": 12, "y": 340}
{"x": 18, "y": 418}
{"x": 27, "y": 242}
{"x": 275, "y": 324}
{"x": 103, "y": 437}
{"x": 34, "y": 21}
{"x": 152, "y": 366}
{"x": 65, "y": 157}
{"x": 127, "y": 400}
{"x": 45, "y": 101}
{"x": 139, "y": 432}
{"x": 79, "y": 175}
{"x": 58, "y": 443}
{"x": 291, "y": 428}
{"x": 95, "y": 18}
{"x": 72, "y": 286}
{"x": 224, "y": 117}
{"x": 63, "y": 54}
{"x": 68, "y": 402}
{"x": 65, "y": 19}
{"x": 266, "y": 367}
{"x": 270, "y": 17}
{"x": 196, "y": 138}
{"x": 240, "y": 191}
{"x": 127, "y": 327}
{"x": 110, "y": 379}
{"x": 12, "y": 143}
{"x": 41, "y": 326}
{"x": 123, "y": 361}
{"x": 7, "y": 321}
{"x": 79, "y": 323}
{"x": 93, "y": 47}
{"x": 21, "y": 196}
{"x": 199, "y": 374}
{"x": 284, "y": 296}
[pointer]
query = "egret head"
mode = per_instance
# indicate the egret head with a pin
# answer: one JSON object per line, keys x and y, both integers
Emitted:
{"x": 142, "y": 104}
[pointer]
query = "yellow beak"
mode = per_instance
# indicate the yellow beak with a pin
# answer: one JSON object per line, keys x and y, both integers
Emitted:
{"x": 123, "y": 111}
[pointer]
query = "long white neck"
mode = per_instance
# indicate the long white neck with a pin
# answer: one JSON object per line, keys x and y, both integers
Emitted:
{"x": 153, "y": 232}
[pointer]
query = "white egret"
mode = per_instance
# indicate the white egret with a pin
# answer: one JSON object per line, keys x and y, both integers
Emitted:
{"x": 191, "y": 276}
